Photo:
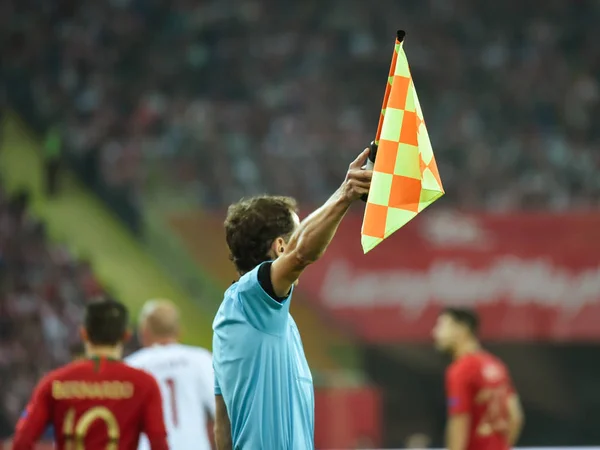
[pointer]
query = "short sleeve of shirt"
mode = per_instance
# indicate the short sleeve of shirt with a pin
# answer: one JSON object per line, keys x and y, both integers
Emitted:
{"x": 262, "y": 311}
{"x": 217, "y": 387}
{"x": 459, "y": 391}
{"x": 208, "y": 382}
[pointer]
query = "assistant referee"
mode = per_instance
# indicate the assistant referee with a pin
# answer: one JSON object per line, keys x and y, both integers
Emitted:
{"x": 263, "y": 386}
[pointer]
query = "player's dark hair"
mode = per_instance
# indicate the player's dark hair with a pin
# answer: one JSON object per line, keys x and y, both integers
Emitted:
{"x": 106, "y": 322}
{"x": 465, "y": 316}
{"x": 253, "y": 224}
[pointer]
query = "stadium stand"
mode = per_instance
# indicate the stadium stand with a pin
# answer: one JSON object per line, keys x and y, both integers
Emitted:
{"x": 258, "y": 88}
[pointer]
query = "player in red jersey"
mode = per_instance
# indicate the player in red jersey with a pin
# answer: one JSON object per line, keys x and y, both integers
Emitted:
{"x": 484, "y": 412}
{"x": 97, "y": 403}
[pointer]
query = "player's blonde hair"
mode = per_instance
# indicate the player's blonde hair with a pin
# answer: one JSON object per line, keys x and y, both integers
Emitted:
{"x": 161, "y": 317}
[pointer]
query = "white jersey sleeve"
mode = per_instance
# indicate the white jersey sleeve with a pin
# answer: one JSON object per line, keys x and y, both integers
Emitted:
{"x": 186, "y": 380}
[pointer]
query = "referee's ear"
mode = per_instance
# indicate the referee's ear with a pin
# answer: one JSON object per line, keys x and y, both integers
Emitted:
{"x": 278, "y": 247}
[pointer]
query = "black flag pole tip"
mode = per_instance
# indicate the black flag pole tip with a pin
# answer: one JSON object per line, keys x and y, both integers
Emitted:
{"x": 400, "y": 35}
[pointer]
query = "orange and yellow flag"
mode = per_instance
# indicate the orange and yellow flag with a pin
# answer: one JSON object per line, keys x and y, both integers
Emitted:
{"x": 405, "y": 176}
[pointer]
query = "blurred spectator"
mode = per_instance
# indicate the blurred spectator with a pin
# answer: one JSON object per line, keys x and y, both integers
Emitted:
{"x": 203, "y": 102}
{"x": 52, "y": 159}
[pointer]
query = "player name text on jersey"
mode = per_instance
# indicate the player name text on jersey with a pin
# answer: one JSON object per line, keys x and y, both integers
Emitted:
{"x": 110, "y": 390}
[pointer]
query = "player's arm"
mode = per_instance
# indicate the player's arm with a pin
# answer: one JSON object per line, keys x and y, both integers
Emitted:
{"x": 314, "y": 234}
{"x": 222, "y": 425}
{"x": 47, "y": 435}
{"x": 36, "y": 417}
{"x": 153, "y": 420}
{"x": 516, "y": 418}
{"x": 459, "y": 397}
{"x": 457, "y": 431}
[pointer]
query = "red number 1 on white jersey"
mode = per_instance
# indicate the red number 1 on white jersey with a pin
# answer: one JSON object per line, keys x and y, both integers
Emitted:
{"x": 172, "y": 399}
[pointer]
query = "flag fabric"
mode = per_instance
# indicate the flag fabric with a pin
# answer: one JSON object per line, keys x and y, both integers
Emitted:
{"x": 405, "y": 176}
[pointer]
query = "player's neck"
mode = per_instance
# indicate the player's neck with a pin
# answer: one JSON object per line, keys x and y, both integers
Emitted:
{"x": 94, "y": 351}
{"x": 465, "y": 348}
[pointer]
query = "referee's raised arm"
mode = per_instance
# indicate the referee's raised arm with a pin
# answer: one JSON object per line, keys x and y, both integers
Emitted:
{"x": 314, "y": 234}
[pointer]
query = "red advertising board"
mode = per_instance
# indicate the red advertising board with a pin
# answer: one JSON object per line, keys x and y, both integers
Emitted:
{"x": 530, "y": 276}
{"x": 347, "y": 418}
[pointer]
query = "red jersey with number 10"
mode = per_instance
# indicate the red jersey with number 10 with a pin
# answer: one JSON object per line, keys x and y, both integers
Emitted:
{"x": 95, "y": 404}
{"x": 479, "y": 384}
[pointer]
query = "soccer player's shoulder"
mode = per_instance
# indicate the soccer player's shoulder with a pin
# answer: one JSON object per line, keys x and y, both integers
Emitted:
{"x": 138, "y": 376}
{"x": 198, "y": 356}
{"x": 139, "y": 357}
{"x": 203, "y": 356}
{"x": 150, "y": 355}
{"x": 191, "y": 350}
{"x": 462, "y": 366}
{"x": 69, "y": 370}
{"x": 493, "y": 366}
{"x": 489, "y": 357}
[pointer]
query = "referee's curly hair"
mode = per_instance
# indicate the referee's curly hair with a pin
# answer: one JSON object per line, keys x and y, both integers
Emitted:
{"x": 253, "y": 224}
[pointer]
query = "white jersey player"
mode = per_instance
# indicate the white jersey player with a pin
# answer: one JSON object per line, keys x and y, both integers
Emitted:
{"x": 184, "y": 374}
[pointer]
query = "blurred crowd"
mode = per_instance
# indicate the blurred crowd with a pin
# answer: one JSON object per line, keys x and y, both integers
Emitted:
{"x": 43, "y": 289}
{"x": 204, "y": 101}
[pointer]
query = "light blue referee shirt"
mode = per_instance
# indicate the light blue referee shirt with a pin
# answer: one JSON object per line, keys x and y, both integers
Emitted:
{"x": 261, "y": 370}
